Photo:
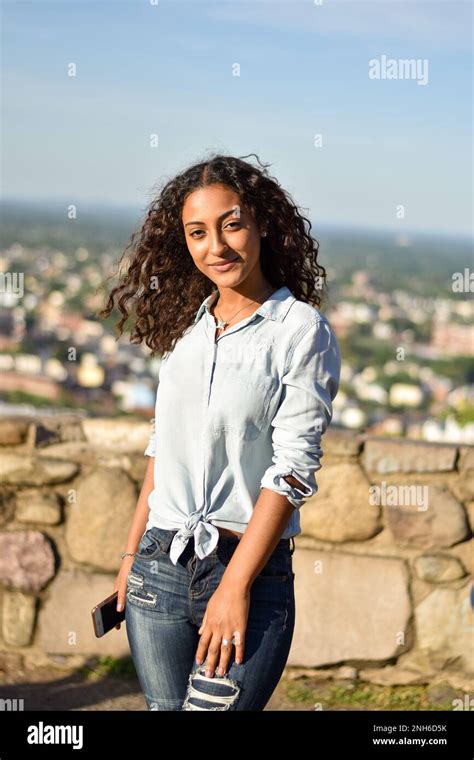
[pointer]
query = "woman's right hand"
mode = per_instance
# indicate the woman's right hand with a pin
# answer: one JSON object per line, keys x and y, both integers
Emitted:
{"x": 121, "y": 583}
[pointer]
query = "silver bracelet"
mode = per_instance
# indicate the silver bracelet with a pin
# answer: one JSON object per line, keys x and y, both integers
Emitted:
{"x": 128, "y": 554}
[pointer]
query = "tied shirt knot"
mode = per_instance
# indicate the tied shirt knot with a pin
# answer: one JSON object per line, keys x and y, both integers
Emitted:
{"x": 206, "y": 537}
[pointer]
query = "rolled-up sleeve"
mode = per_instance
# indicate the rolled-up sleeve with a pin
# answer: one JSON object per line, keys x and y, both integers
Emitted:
{"x": 310, "y": 384}
{"x": 151, "y": 448}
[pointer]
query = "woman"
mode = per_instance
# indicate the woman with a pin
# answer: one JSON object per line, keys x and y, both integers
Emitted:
{"x": 225, "y": 284}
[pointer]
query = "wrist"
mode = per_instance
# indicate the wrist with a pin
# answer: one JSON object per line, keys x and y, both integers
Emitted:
{"x": 236, "y": 581}
{"x": 127, "y": 556}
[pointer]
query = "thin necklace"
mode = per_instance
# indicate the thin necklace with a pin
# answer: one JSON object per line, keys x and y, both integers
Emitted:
{"x": 222, "y": 324}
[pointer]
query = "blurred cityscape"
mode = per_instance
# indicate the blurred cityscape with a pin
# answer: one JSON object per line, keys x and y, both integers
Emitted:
{"x": 402, "y": 308}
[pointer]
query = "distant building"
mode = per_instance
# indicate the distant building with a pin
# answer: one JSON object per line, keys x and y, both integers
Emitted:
{"x": 353, "y": 417}
{"x": 35, "y": 386}
{"x": 89, "y": 373}
{"x": 453, "y": 338}
{"x": 448, "y": 431}
{"x": 390, "y": 425}
{"x": 134, "y": 395}
{"x": 403, "y": 394}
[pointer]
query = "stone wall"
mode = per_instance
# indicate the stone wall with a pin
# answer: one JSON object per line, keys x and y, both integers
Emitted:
{"x": 383, "y": 566}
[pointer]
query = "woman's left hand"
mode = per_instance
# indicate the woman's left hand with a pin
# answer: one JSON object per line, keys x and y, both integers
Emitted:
{"x": 225, "y": 617}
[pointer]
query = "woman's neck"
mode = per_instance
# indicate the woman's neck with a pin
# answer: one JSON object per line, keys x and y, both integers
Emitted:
{"x": 230, "y": 300}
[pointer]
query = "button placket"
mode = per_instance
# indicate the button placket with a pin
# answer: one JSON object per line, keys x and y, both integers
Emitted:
{"x": 210, "y": 329}
{"x": 205, "y": 406}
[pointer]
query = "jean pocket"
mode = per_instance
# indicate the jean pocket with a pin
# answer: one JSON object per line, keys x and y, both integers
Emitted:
{"x": 149, "y": 547}
{"x": 278, "y": 567}
{"x": 137, "y": 593}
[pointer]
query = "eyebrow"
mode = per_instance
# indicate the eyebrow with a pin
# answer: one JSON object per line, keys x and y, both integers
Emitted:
{"x": 226, "y": 213}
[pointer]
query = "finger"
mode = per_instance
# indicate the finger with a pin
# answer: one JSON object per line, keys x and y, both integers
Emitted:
{"x": 203, "y": 623}
{"x": 204, "y": 642}
{"x": 226, "y": 651}
{"x": 213, "y": 653}
{"x": 239, "y": 639}
{"x": 120, "y": 604}
{"x": 119, "y": 608}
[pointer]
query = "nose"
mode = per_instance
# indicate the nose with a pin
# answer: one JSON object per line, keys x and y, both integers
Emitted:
{"x": 217, "y": 246}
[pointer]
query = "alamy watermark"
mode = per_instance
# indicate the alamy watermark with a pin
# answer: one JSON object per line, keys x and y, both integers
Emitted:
{"x": 12, "y": 283}
{"x": 392, "y": 495}
{"x": 399, "y": 68}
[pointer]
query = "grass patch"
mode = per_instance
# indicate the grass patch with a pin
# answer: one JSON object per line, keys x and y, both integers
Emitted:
{"x": 360, "y": 695}
{"x": 108, "y": 666}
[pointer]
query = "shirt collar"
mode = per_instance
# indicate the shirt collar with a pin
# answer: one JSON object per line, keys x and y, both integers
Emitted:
{"x": 275, "y": 307}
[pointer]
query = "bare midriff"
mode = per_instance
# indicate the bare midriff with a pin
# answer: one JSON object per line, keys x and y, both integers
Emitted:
{"x": 226, "y": 532}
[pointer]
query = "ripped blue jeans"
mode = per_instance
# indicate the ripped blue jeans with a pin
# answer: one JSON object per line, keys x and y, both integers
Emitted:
{"x": 164, "y": 609}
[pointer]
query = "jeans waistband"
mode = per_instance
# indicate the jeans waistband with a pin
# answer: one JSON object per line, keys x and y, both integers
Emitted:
{"x": 285, "y": 543}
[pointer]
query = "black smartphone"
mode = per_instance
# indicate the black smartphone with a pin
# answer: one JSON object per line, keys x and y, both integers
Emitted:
{"x": 105, "y": 615}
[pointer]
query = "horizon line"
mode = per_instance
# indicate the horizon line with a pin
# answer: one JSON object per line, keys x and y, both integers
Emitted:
{"x": 136, "y": 207}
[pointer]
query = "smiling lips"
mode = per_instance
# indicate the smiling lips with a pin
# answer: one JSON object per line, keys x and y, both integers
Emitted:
{"x": 227, "y": 265}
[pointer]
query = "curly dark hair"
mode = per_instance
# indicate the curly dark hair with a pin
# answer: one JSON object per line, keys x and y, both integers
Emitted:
{"x": 161, "y": 280}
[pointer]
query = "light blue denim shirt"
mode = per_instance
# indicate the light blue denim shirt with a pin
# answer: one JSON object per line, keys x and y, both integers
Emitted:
{"x": 238, "y": 414}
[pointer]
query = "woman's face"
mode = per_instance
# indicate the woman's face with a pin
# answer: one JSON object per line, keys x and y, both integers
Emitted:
{"x": 218, "y": 230}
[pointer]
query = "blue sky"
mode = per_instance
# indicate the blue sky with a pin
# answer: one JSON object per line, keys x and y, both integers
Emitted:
{"x": 166, "y": 69}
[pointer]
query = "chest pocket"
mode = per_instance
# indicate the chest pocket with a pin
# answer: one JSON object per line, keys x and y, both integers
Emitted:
{"x": 240, "y": 401}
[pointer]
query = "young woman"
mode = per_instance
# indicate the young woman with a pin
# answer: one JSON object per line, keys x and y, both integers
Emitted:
{"x": 225, "y": 285}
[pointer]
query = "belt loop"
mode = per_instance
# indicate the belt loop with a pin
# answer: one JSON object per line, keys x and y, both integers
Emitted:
{"x": 293, "y": 544}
